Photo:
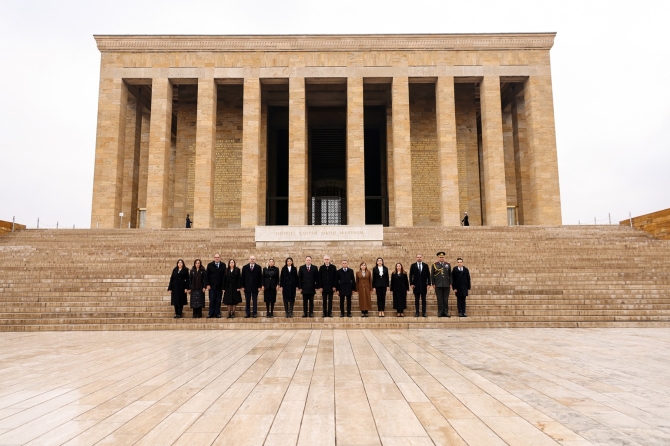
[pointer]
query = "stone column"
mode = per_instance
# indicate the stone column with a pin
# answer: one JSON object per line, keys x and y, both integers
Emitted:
{"x": 160, "y": 135}
{"x": 205, "y": 141}
{"x": 402, "y": 161}
{"x": 493, "y": 157}
{"x": 355, "y": 153}
{"x": 545, "y": 208}
{"x": 109, "y": 151}
{"x": 447, "y": 153}
{"x": 297, "y": 152}
{"x": 521, "y": 163}
{"x": 251, "y": 139}
{"x": 131, "y": 161}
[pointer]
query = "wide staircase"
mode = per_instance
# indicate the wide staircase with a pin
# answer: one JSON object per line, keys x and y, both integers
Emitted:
{"x": 566, "y": 276}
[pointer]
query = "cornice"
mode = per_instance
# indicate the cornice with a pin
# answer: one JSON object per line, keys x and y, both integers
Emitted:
{"x": 303, "y": 43}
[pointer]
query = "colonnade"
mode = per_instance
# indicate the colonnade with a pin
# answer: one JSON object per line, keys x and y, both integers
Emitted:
{"x": 537, "y": 175}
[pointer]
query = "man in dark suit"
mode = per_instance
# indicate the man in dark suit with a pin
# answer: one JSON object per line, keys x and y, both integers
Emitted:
{"x": 328, "y": 283}
{"x": 440, "y": 275}
{"x": 251, "y": 281}
{"x": 346, "y": 285}
{"x": 308, "y": 283}
{"x": 419, "y": 281}
{"x": 461, "y": 285}
{"x": 214, "y": 284}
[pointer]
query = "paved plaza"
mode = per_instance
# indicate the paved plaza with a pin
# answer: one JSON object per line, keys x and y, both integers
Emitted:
{"x": 345, "y": 387}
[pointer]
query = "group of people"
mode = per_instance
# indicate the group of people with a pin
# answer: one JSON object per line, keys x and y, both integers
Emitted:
{"x": 227, "y": 284}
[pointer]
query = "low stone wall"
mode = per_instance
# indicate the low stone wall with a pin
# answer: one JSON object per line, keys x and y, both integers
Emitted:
{"x": 6, "y": 226}
{"x": 656, "y": 223}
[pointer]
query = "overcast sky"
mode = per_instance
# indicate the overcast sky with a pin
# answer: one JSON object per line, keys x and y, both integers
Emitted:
{"x": 610, "y": 66}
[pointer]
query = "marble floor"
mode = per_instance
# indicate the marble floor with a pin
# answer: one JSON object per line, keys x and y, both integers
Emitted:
{"x": 353, "y": 387}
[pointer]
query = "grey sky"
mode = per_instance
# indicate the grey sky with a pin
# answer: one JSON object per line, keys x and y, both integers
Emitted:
{"x": 610, "y": 66}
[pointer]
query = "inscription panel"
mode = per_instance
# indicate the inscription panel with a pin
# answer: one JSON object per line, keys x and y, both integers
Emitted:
{"x": 319, "y": 233}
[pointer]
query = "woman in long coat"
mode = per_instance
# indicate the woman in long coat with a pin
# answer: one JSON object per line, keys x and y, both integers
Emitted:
{"x": 197, "y": 288}
{"x": 270, "y": 287}
{"x": 231, "y": 288}
{"x": 179, "y": 285}
{"x": 399, "y": 288}
{"x": 288, "y": 283}
{"x": 364, "y": 289}
{"x": 380, "y": 281}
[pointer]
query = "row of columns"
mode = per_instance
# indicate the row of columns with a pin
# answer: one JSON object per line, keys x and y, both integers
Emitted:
{"x": 541, "y": 156}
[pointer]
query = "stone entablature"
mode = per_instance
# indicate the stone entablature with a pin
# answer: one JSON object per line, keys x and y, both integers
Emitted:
{"x": 183, "y": 126}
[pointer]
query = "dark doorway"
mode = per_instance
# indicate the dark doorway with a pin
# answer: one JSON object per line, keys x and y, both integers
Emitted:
{"x": 376, "y": 201}
{"x": 277, "y": 172}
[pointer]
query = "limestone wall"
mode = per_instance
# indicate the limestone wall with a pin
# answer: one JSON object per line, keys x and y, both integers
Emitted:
{"x": 656, "y": 223}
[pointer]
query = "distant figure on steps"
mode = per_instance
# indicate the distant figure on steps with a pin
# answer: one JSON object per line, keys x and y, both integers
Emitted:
{"x": 466, "y": 220}
{"x": 189, "y": 223}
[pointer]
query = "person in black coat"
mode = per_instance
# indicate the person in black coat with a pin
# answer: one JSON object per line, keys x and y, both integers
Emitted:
{"x": 399, "y": 288}
{"x": 328, "y": 283}
{"x": 288, "y": 282}
{"x": 251, "y": 283}
{"x": 466, "y": 220}
{"x": 179, "y": 286}
{"x": 189, "y": 223}
{"x": 270, "y": 287}
{"x": 346, "y": 285}
{"x": 214, "y": 283}
{"x": 231, "y": 288}
{"x": 308, "y": 283}
{"x": 460, "y": 277}
{"x": 197, "y": 281}
{"x": 419, "y": 281}
{"x": 380, "y": 282}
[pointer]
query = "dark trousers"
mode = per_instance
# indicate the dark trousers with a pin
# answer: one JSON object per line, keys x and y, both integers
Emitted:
{"x": 215, "y": 302}
{"x": 307, "y": 302}
{"x": 342, "y": 299}
{"x": 381, "y": 298}
{"x": 327, "y": 303}
{"x": 197, "y": 312}
{"x": 422, "y": 296}
{"x": 442, "y": 294}
{"x": 288, "y": 308}
{"x": 460, "y": 301}
{"x": 178, "y": 309}
{"x": 250, "y": 295}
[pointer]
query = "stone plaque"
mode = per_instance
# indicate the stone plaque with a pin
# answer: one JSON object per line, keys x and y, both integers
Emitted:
{"x": 372, "y": 233}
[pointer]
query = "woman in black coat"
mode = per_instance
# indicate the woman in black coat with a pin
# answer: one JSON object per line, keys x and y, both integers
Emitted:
{"x": 231, "y": 288}
{"x": 288, "y": 283}
{"x": 197, "y": 288}
{"x": 399, "y": 287}
{"x": 179, "y": 285}
{"x": 380, "y": 282}
{"x": 270, "y": 287}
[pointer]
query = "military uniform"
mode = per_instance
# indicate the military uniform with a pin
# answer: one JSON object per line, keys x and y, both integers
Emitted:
{"x": 441, "y": 278}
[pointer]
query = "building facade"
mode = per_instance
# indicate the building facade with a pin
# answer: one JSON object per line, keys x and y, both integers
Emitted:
{"x": 400, "y": 130}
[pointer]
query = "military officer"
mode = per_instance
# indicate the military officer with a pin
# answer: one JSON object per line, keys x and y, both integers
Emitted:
{"x": 440, "y": 274}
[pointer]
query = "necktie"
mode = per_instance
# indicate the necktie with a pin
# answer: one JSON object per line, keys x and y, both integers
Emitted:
{"x": 307, "y": 268}
{"x": 217, "y": 266}
{"x": 252, "y": 267}
{"x": 345, "y": 270}
{"x": 420, "y": 269}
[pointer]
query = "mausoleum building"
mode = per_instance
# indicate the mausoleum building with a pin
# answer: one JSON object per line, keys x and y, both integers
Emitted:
{"x": 399, "y": 130}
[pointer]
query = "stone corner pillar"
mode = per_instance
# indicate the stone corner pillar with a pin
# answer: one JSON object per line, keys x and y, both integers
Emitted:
{"x": 297, "y": 152}
{"x": 160, "y": 135}
{"x": 355, "y": 153}
{"x": 493, "y": 156}
{"x": 251, "y": 141}
{"x": 447, "y": 153}
{"x": 545, "y": 202}
{"x": 402, "y": 165}
{"x": 205, "y": 147}
{"x": 109, "y": 153}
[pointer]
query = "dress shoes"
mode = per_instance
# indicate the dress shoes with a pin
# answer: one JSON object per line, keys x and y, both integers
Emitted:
{"x": 208, "y": 316}
{"x": 311, "y": 314}
{"x": 304, "y": 315}
{"x": 176, "y": 317}
{"x": 232, "y": 316}
{"x": 446, "y": 315}
{"x": 341, "y": 314}
{"x": 349, "y": 315}
{"x": 254, "y": 316}
{"x": 424, "y": 315}
{"x": 416, "y": 314}
{"x": 465, "y": 315}
{"x": 218, "y": 316}
{"x": 247, "y": 316}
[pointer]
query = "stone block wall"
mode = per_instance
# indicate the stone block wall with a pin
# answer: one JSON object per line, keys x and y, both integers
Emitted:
{"x": 656, "y": 223}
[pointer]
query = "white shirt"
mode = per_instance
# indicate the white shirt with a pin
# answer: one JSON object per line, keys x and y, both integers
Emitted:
{"x": 289, "y": 268}
{"x": 381, "y": 270}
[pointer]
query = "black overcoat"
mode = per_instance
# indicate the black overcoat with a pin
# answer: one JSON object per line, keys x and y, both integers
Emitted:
{"x": 328, "y": 278}
{"x": 179, "y": 283}
{"x": 420, "y": 280}
{"x": 308, "y": 281}
{"x": 197, "y": 295}
{"x": 251, "y": 281}
{"x": 346, "y": 282}
{"x": 288, "y": 283}
{"x": 214, "y": 276}
{"x": 270, "y": 282}
{"x": 380, "y": 281}
{"x": 460, "y": 281}
{"x": 231, "y": 283}
{"x": 399, "y": 287}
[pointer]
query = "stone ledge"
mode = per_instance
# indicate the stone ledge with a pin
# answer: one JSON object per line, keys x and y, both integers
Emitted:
{"x": 343, "y": 42}
{"x": 319, "y": 234}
